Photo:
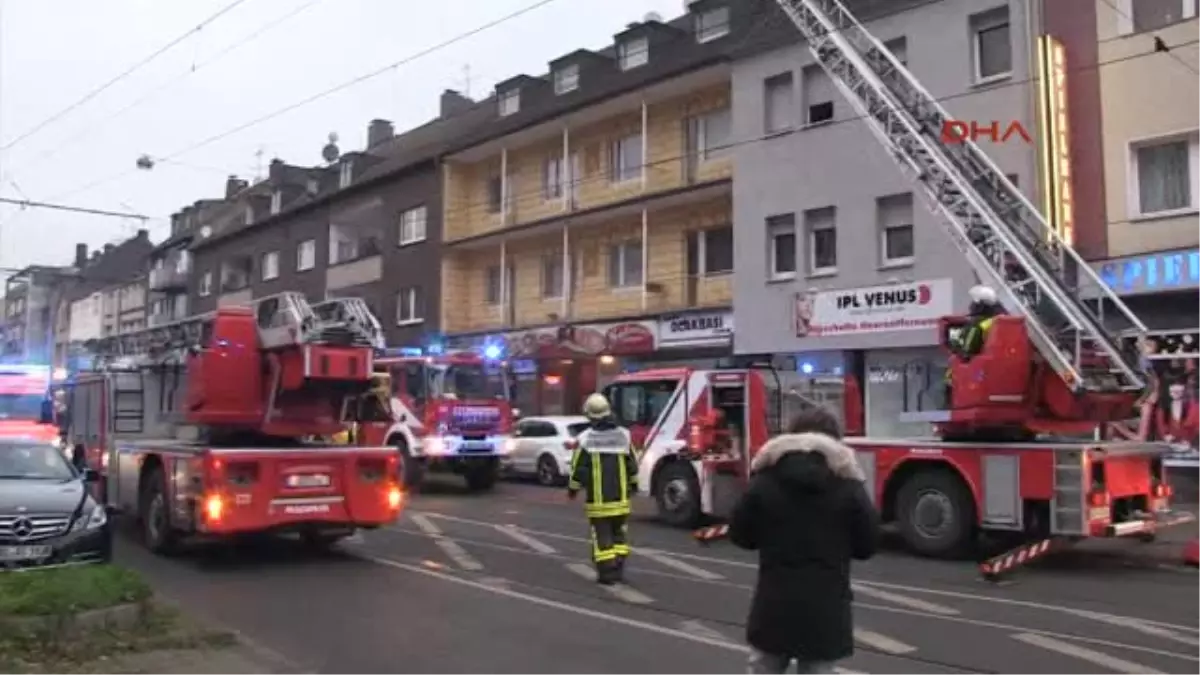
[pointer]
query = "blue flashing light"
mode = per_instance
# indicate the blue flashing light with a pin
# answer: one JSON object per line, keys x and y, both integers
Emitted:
{"x": 435, "y": 348}
{"x": 492, "y": 352}
{"x": 806, "y": 368}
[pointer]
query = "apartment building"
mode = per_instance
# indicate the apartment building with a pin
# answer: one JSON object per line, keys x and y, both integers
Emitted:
{"x": 839, "y": 264}
{"x": 170, "y": 264}
{"x": 368, "y": 225}
{"x": 32, "y": 295}
{"x": 1151, "y": 159}
{"x": 107, "y": 296}
{"x": 588, "y": 226}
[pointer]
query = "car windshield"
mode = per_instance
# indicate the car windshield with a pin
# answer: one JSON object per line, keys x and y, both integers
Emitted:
{"x": 474, "y": 381}
{"x": 21, "y": 406}
{"x": 34, "y": 462}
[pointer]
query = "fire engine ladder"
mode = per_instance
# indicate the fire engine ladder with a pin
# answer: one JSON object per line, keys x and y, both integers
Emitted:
{"x": 159, "y": 344}
{"x": 1004, "y": 237}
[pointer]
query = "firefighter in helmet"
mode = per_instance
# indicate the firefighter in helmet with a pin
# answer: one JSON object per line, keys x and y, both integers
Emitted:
{"x": 604, "y": 468}
{"x": 982, "y": 312}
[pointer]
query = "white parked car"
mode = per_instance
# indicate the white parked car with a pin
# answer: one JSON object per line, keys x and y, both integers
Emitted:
{"x": 542, "y": 447}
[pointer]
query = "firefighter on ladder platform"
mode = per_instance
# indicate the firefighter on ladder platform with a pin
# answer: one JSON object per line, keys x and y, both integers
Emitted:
{"x": 604, "y": 467}
{"x": 982, "y": 313}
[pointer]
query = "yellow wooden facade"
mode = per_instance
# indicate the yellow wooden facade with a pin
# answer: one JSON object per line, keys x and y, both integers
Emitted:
{"x": 681, "y": 192}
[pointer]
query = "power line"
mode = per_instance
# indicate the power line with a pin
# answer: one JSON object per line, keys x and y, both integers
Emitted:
{"x": 126, "y": 73}
{"x": 89, "y": 130}
{"x": 27, "y": 203}
{"x": 1160, "y": 45}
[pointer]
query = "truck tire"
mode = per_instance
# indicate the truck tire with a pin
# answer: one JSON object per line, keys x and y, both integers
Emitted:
{"x": 936, "y": 514}
{"x": 157, "y": 534}
{"x": 412, "y": 473}
{"x": 677, "y": 494}
{"x": 481, "y": 476}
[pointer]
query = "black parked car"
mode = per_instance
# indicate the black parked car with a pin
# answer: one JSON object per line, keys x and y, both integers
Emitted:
{"x": 47, "y": 516}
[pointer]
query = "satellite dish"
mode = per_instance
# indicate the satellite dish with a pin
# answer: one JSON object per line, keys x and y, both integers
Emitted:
{"x": 331, "y": 152}
{"x": 652, "y": 16}
{"x": 206, "y": 232}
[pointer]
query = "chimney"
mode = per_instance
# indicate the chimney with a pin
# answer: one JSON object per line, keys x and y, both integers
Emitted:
{"x": 379, "y": 131}
{"x": 81, "y": 254}
{"x": 453, "y": 103}
{"x": 143, "y": 235}
{"x": 275, "y": 173}
{"x": 233, "y": 185}
{"x": 108, "y": 248}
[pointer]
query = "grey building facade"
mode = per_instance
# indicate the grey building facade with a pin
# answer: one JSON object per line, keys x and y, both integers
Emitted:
{"x": 838, "y": 261}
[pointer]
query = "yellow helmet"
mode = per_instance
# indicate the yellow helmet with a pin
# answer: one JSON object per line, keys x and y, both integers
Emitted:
{"x": 596, "y": 407}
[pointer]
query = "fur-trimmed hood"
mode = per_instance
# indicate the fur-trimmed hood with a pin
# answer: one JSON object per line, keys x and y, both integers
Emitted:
{"x": 840, "y": 459}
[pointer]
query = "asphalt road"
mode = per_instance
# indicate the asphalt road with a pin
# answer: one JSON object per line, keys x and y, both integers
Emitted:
{"x": 496, "y": 583}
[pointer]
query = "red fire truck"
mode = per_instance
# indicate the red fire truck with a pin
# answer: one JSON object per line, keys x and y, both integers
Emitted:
{"x": 26, "y": 406}
{"x": 451, "y": 413}
{"x": 1023, "y": 445}
{"x": 202, "y": 428}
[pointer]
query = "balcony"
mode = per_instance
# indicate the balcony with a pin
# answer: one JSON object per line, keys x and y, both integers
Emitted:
{"x": 612, "y": 154}
{"x": 688, "y": 264}
{"x": 168, "y": 278}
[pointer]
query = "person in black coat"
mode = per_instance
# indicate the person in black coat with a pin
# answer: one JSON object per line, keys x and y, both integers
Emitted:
{"x": 807, "y": 513}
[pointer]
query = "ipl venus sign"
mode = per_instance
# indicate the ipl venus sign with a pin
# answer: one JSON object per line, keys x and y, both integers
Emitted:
{"x": 875, "y": 309}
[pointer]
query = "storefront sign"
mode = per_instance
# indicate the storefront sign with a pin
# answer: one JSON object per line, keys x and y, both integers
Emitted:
{"x": 1055, "y": 146}
{"x": 695, "y": 329}
{"x": 877, "y": 309}
{"x": 630, "y": 337}
{"x": 1155, "y": 272}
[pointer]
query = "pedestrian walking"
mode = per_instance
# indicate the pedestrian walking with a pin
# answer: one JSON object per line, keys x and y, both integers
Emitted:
{"x": 807, "y": 513}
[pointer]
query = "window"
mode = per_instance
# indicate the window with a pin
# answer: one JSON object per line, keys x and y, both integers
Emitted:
{"x": 552, "y": 275}
{"x": 1143, "y": 15}
{"x": 495, "y": 191}
{"x": 633, "y": 53}
{"x": 992, "y": 45}
{"x": 412, "y": 225}
{"x": 552, "y": 178}
{"x": 342, "y": 246}
{"x": 781, "y": 246}
{"x": 566, "y": 79}
{"x": 625, "y": 264}
{"x": 778, "y": 103}
{"x": 346, "y": 177}
{"x": 713, "y": 134}
{"x": 312, "y": 186}
{"x": 270, "y": 265}
{"x": 183, "y": 262}
{"x": 640, "y": 402}
{"x": 820, "y": 224}
{"x": 510, "y": 102}
{"x": 410, "y": 306}
{"x": 818, "y": 95}
{"x": 306, "y": 255}
{"x": 206, "y": 284}
{"x": 249, "y": 215}
{"x": 1162, "y": 173}
{"x": 712, "y": 24}
{"x": 899, "y": 49}
{"x": 491, "y": 291}
{"x": 276, "y": 201}
{"x": 715, "y": 251}
{"x": 625, "y": 159}
{"x": 895, "y": 218}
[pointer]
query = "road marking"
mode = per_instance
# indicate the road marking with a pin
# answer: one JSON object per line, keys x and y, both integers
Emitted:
{"x": 451, "y": 548}
{"x": 904, "y": 600}
{"x": 666, "y": 559}
{"x": 696, "y": 628}
{"x": 580, "y": 611}
{"x": 619, "y": 591}
{"x": 881, "y": 642}
{"x": 496, "y": 582}
{"x": 1090, "y": 655}
{"x": 537, "y": 545}
{"x": 1134, "y": 624}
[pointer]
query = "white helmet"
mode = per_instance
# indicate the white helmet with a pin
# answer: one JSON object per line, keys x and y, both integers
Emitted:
{"x": 985, "y": 295}
{"x": 596, "y": 407}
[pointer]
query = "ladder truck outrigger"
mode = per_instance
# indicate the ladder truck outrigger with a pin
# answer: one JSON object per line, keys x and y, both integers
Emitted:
{"x": 1026, "y": 445}
{"x": 205, "y": 428}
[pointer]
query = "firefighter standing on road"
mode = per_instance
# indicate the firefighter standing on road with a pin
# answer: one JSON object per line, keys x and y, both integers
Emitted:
{"x": 604, "y": 467}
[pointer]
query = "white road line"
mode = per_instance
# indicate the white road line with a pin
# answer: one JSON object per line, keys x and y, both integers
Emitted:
{"x": 697, "y": 628}
{"x": 1090, "y": 655}
{"x": 882, "y": 643}
{"x": 579, "y": 611}
{"x": 904, "y": 600}
{"x": 535, "y": 544}
{"x": 619, "y": 591}
{"x": 1135, "y": 624}
{"x": 666, "y": 559}
{"x": 452, "y": 549}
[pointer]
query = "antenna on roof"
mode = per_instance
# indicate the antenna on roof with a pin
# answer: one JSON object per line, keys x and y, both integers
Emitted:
{"x": 258, "y": 164}
{"x": 466, "y": 86}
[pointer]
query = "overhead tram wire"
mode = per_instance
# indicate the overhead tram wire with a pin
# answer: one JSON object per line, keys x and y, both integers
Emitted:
{"x": 91, "y": 128}
{"x": 1160, "y": 45}
{"x": 328, "y": 92}
{"x": 124, "y": 74}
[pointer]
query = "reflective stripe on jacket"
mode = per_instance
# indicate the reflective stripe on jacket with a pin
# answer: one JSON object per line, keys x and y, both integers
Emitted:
{"x": 604, "y": 466}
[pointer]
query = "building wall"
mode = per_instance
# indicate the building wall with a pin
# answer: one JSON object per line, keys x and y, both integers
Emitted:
{"x": 842, "y": 165}
{"x": 1146, "y": 98}
{"x": 86, "y": 321}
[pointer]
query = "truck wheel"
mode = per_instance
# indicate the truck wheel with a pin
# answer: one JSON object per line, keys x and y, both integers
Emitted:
{"x": 547, "y": 471}
{"x": 412, "y": 473}
{"x": 936, "y": 514}
{"x": 157, "y": 533}
{"x": 481, "y": 476}
{"x": 677, "y": 494}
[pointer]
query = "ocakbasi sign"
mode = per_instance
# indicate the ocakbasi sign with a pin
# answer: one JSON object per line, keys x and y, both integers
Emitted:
{"x": 958, "y": 131}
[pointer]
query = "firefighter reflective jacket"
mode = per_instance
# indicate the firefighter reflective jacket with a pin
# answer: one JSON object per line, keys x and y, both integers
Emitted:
{"x": 972, "y": 341}
{"x": 605, "y": 467}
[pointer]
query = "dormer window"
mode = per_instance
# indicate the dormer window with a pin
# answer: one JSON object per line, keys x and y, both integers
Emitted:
{"x": 249, "y": 215}
{"x": 633, "y": 53}
{"x": 276, "y": 201}
{"x": 510, "y": 102}
{"x": 312, "y": 186}
{"x": 347, "y": 174}
{"x": 712, "y": 24}
{"x": 566, "y": 79}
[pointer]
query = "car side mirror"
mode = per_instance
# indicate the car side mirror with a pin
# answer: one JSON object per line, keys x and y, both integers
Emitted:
{"x": 90, "y": 476}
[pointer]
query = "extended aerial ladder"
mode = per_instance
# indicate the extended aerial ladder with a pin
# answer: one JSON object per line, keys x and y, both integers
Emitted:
{"x": 1036, "y": 274}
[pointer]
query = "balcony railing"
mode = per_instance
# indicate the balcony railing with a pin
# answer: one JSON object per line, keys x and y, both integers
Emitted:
{"x": 168, "y": 279}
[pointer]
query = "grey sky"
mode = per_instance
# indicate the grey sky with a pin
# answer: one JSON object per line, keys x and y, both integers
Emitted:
{"x": 52, "y": 52}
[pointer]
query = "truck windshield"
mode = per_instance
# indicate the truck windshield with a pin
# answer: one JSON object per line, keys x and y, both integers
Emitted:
{"x": 33, "y": 462}
{"x": 473, "y": 381}
{"x": 21, "y": 407}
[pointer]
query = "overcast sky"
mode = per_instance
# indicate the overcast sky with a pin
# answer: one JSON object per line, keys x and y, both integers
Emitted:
{"x": 53, "y": 52}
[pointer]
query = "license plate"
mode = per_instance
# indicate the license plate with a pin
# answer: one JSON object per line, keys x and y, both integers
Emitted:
{"x": 21, "y": 553}
{"x": 308, "y": 481}
{"x": 476, "y": 447}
